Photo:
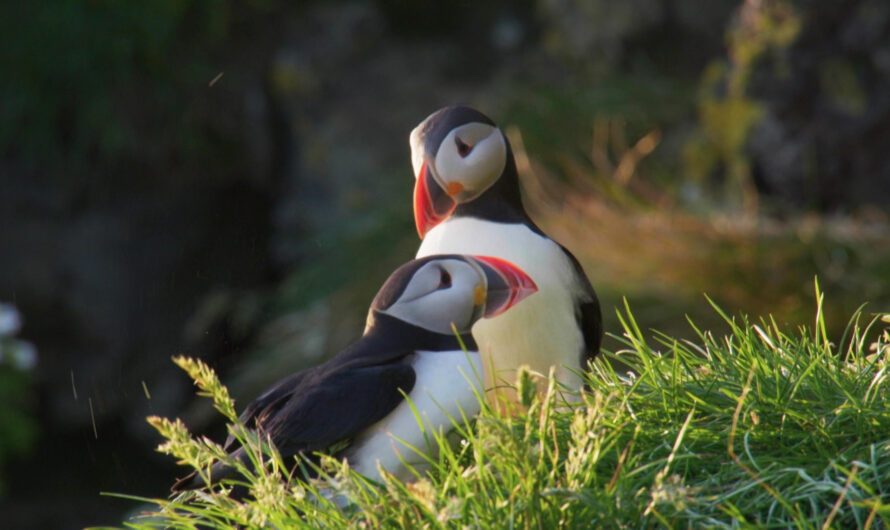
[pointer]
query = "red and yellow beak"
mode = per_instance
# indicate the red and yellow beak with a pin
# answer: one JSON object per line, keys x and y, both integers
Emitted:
{"x": 432, "y": 204}
{"x": 507, "y": 285}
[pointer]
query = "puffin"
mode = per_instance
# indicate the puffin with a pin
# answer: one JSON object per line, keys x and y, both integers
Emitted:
{"x": 467, "y": 201}
{"x": 416, "y": 345}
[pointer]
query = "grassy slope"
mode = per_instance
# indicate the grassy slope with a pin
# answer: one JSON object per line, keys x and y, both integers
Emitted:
{"x": 759, "y": 428}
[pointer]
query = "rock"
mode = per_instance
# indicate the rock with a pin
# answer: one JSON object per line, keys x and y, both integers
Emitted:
{"x": 824, "y": 100}
{"x": 601, "y": 35}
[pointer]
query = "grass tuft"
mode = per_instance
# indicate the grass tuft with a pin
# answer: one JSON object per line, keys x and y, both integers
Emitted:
{"x": 761, "y": 427}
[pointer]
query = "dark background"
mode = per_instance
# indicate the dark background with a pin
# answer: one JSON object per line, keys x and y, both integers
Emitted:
{"x": 231, "y": 180}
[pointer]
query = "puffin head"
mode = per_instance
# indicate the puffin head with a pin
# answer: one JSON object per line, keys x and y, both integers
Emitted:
{"x": 457, "y": 154}
{"x": 437, "y": 291}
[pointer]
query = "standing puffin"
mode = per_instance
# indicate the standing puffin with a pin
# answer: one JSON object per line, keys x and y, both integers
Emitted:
{"x": 408, "y": 348}
{"x": 467, "y": 201}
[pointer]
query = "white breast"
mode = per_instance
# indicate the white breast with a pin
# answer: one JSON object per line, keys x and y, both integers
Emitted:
{"x": 445, "y": 390}
{"x": 541, "y": 331}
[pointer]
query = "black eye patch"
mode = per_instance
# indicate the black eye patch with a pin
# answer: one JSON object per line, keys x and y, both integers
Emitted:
{"x": 444, "y": 279}
{"x": 395, "y": 285}
{"x": 437, "y": 126}
{"x": 463, "y": 149}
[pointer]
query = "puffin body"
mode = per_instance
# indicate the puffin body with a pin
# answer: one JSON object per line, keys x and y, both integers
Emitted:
{"x": 446, "y": 390}
{"x": 356, "y": 400}
{"x": 542, "y": 332}
{"x": 467, "y": 200}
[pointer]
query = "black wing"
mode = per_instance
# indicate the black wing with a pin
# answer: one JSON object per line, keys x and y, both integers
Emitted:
{"x": 587, "y": 311}
{"x": 337, "y": 406}
{"x": 316, "y": 408}
{"x": 268, "y": 403}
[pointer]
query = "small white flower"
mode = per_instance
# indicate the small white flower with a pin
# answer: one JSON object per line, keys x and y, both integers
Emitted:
{"x": 629, "y": 378}
{"x": 10, "y": 320}
{"x": 24, "y": 355}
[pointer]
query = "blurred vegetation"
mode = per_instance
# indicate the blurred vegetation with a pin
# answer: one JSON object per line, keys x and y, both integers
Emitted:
{"x": 18, "y": 429}
{"x": 726, "y": 111}
{"x": 93, "y": 84}
{"x": 17, "y": 360}
{"x": 562, "y": 125}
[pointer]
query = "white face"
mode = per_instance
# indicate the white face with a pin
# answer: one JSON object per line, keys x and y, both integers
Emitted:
{"x": 469, "y": 160}
{"x": 442, "y": 292}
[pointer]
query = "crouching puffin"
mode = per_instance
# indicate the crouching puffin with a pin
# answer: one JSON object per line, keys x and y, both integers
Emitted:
{"x": 357, "y": 399}
{"x": 467, "y": 201}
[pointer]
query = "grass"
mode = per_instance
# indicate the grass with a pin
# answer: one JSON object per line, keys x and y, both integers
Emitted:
{"x": 761, "y": 427}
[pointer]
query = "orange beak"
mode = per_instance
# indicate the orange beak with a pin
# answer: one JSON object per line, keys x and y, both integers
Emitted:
{"x": 432, "y": 204}
{"x": 507, "y": 284}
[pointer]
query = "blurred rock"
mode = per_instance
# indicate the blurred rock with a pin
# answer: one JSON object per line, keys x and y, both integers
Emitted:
{"x": 599, "y": 31}
{"x": 824, "y": 98}
{"x": 108, "y": 287}
{"x": 600, "y": 35}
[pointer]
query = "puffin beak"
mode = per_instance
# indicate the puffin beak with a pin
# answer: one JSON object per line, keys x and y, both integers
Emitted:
{"x": 507, "y": 285}
{"x": 432, "y": 204}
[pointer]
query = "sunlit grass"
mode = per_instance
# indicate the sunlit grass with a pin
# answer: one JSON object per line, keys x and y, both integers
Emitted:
{"x": 762, "y": 427}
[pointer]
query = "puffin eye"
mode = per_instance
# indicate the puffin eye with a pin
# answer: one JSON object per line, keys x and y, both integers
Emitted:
{"x": 463, "y": 149}
{"x": 444, "y": 279}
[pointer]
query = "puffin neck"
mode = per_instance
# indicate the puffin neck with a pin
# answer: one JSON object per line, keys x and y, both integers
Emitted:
{"x": 390, "y": 332}
{"x": 502, "y": 202}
